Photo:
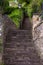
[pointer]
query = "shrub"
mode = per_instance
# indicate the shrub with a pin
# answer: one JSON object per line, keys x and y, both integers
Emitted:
{"x": 4, "y": 5}
{"x": 16, "y": 15}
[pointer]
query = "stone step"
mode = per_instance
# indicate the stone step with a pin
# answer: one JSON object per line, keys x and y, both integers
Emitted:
{"x": 30, "y": 51}
{"x": 21, "y": 58}
{"x": 21, "y": 36}
{"x": 8, "y": 40}
{"x": 18, "y": 44}
{"x": 22, "y": 32}
{"x": 16, "y": 59}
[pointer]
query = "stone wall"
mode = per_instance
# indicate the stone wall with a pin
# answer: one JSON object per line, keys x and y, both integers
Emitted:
{"x": 5, "y": 25}
{"x": 38, "y": 35}
{"x": 1, "y": 38}
{"x": 36, "y": 20}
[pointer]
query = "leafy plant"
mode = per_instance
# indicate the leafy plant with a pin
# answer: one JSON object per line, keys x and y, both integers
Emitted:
{"x": 16, "y": 16}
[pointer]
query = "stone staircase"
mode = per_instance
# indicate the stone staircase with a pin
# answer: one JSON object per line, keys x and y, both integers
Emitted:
{"x": 18, "y": 45}
{"x": 19, "y": 49}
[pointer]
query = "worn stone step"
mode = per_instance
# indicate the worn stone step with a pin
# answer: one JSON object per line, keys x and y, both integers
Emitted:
{"x": 20, "y": 32}
{"x": 18, "y": 44}
{"x": 19, "y": 63}
{"x": 17, "y": 48}
{"x": 22, "y": 37}
{"x": 23, "y": 55}
{"x": 25, "y": 63}
{"x": 20, "y": 60}
{"x": 19, "y": 38}
{"x": 30, "y": 51}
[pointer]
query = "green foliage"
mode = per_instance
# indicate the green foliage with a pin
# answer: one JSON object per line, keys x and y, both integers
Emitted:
{"x": 28, "y": 6}
{"x": 33, "y": 7}
{"x": 8, "y": 10}
{"x": 29, "y": 10}
{"x": 22, "y": 1}
{"x": 16, "y": 16}
{"x": 36, "y": 5}
{"x": 4, "y": 4}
